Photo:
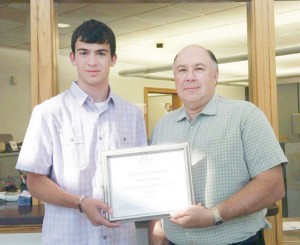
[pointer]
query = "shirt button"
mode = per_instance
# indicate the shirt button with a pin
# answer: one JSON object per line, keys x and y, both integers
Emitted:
{"x": 100, "y": 137}
{"x": 104, "y": 237}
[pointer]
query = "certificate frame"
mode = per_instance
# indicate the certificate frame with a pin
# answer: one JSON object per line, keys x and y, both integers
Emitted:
{"x": 144, "y": 183}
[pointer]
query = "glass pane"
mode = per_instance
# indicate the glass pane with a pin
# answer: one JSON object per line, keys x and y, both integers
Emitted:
{"x": 158, "y": 105}
{"x": 15, "y": 82}
{"x": 287, "y": 31}
{"x": 150, "y": 35}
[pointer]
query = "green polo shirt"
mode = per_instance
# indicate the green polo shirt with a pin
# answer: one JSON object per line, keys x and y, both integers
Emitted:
{"x": 230, "y": 142}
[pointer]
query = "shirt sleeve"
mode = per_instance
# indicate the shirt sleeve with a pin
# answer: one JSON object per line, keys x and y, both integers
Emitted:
{"x": 262, "y": 150}
{"x": 141, "y": 130}
{"x": 36, "y": 151}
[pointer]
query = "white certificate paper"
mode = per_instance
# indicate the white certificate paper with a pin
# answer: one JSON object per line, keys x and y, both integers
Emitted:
{"x": 144, "y": 183}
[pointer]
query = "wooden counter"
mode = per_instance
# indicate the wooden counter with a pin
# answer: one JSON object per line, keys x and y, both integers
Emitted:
{"x": 14, "y": 219}
{"x": 28, "y": 219}
{"x": 291, "y": 237}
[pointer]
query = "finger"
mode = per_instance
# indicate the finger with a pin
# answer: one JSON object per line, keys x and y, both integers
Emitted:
{"x": 180, "y": 221}
{"x": 102, "y": 221}
{"x": 178, "y": 214}
{"x": 111, "y": 224}
{"x": 105, "y": 208}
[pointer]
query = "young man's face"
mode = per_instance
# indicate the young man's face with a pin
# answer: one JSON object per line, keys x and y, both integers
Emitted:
{"x": 93, "y": 62}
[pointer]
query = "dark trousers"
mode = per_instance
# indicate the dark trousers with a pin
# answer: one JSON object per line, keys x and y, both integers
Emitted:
{"x": 257, "y": 239}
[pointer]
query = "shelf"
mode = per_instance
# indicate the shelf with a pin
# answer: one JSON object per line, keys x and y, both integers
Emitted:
{"x": 9, "y": 154}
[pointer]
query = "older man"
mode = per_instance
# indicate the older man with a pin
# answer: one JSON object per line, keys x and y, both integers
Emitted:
{"x": 236, "y": 160}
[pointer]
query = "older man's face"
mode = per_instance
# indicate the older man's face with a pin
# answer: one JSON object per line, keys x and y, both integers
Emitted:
{"x": 195, "y": 76}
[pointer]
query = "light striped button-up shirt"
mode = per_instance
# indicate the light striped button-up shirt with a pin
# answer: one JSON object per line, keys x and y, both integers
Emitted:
{"x": 64, "y": 140}
{"x": 230, "y": 143}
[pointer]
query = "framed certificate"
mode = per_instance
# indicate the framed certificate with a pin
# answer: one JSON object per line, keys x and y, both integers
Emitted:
{"x": 148, "y": 182}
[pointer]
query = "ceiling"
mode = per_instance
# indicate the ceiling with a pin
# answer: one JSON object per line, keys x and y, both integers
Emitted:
{"x": 139, "y": 27}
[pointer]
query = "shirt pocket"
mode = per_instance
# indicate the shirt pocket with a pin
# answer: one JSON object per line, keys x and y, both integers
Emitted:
{"x": 125, "y": 141}
{"x": 74, "y": 151}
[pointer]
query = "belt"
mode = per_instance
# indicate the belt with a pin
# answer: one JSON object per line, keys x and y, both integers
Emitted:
{"x": 252, "y": 240}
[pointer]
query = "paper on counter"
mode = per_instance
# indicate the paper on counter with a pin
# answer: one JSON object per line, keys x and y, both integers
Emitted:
{"x": 292, "y": 225}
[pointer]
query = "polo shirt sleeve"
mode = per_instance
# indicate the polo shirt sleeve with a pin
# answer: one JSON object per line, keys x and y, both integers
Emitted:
{"x": 36, "y": 151}
{"x": 262, "y": 150}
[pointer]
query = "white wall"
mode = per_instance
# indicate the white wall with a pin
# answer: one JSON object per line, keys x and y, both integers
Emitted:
{"x": 15, "y": 100}
{"x": 233, "y": 92}
{"x": 21, "y": 239}
{"x": 129, "y": 88}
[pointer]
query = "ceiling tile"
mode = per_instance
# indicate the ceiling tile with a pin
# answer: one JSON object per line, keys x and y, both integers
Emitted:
{"x": 139, "y": 26}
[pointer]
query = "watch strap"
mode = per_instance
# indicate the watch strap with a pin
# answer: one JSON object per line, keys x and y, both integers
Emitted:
{"x": 217, "y": 217}
{"x": 80, "y": 203}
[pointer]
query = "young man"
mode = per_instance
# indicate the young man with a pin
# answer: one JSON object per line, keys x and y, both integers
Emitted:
{"x": 63, "y": 144}
{"x": 236, "y": 160}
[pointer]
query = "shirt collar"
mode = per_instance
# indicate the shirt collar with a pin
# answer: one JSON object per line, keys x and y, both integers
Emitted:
{"x": 210, "y": 109}
{"x": 82, "y": 97}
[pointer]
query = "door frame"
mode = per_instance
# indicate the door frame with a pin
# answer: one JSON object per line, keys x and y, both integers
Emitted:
{"x": 176, "y": 101}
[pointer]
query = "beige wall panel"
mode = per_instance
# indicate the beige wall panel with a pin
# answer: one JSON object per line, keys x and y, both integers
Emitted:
{"x": 262, "y": 80}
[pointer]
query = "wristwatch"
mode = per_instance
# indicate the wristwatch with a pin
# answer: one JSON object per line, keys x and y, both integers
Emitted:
{"x": 217, "y": 217}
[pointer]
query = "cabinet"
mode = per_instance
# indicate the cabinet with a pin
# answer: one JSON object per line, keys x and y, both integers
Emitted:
{"x": 14, "y": 219}
{"x": 7, "y": 166}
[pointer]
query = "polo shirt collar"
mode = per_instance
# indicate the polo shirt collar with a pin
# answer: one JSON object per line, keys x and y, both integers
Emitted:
{"x": 210, "y": 109}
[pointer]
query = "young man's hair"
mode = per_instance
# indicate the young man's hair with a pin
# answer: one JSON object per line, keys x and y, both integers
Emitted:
{"x": 93, "y": 31}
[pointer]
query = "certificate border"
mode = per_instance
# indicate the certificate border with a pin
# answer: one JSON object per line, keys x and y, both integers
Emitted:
{"x": 152, "y": 149}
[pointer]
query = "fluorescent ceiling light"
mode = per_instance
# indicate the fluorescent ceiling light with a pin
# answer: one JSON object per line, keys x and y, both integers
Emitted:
{"x": 63, "y": 25}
